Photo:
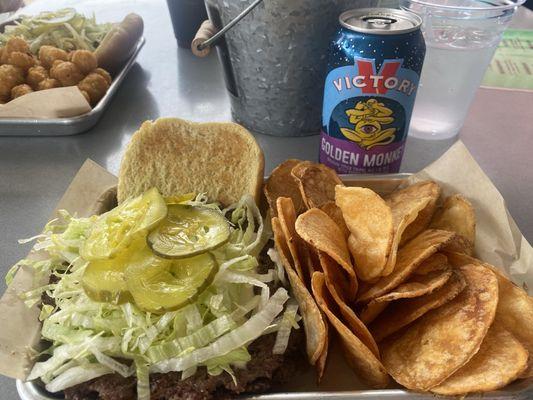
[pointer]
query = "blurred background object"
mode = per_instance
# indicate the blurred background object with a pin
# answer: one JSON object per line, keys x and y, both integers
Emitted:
{"x": 187, "y": 16}
{"x": 10, "y": 5}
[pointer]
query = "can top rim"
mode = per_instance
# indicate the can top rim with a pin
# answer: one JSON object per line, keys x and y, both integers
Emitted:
{"x": 387, "y": 14}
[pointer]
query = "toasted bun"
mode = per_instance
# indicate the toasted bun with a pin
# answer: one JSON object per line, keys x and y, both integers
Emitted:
{"x": 119, "y": 43}
{"x": 177, "y": 156}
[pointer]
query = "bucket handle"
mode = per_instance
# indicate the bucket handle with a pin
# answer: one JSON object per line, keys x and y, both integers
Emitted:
{"x": 207, "y": 34}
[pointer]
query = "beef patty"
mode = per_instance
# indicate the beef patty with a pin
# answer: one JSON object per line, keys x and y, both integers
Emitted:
{"x": 265, "y": 371}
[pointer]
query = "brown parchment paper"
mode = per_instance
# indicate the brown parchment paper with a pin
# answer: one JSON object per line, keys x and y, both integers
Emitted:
{"x": 62, "y": 102}
{"x": 19, "y": 325}
{"x": 499, "y": 242}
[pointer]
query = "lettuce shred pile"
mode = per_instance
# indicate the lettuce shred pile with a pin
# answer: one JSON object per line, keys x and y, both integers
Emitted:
{"x": 64, "y": 29}
{"x": 90, "y": 339}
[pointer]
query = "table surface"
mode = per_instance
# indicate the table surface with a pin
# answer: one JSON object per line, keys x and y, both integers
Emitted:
{"x": 168, "y": 81}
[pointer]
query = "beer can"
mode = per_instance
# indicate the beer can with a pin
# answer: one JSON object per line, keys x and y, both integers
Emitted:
{"x": 374, "y": 67}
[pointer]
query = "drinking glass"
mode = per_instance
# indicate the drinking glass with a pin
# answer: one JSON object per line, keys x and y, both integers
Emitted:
{"x": 461, "y": 37}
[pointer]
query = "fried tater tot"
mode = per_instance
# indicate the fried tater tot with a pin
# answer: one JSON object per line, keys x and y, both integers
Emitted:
{"x": 22, "y": 60}
{"x": 17, "y": 44}
{"x": 104, "y": 74}
{"x": 85, "y": 60}
{"x": 35, "y": 75}
{"x": 67, "y": 73}
{"x": 56, "y": 62}
{"x": 20, "y": 90}
{"x": 95, "y": 85}
{"x": 47, "y": 55}
{"x": 10, "y": 76}
{"x": 48, "y": 83}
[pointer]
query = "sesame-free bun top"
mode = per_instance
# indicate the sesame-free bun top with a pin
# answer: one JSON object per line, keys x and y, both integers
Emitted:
{"x": 222, "y": 160}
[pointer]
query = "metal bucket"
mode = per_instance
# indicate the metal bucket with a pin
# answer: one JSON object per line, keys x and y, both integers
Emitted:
{"x": 274, "y": 60}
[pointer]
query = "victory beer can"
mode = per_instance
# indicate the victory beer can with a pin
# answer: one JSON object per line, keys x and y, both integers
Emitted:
{"x": 373, "y": 72}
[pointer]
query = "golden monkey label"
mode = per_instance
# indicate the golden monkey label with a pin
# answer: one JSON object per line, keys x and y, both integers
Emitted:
{"x": 369, "y": 96}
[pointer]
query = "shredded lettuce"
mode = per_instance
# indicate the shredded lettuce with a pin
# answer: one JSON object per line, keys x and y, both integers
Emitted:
{"x": 64, "y": 29}
{"x": 90, "y": 339}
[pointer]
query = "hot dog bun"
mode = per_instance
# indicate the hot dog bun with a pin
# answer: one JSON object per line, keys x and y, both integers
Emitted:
{"x": 119, "y": 43}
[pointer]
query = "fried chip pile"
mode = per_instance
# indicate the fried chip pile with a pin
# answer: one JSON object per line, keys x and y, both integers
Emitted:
{"x": 396, "y": 279}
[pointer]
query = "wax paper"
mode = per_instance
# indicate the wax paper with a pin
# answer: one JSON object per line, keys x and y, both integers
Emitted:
{"x": 62, "y": 102}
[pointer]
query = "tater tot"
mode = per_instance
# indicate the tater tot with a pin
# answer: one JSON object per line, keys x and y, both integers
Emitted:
{"x": 95, "y": 85}
{"x": 35, "y": 75}
{"x": 17, "y": 44}
{"x": 20, "y": 90}
{"x": 85, "y": 60}
{"x": 56, "y": 62}
{"x": 22, "y": 60}
{"x": 47, "y": 55}
{"x": 104, "y": 74}
{"x": 48, "y": 83}
{"x": 3, "y": 56}
{"x": 67, "y": 73}
{"x": 10, "y": 76}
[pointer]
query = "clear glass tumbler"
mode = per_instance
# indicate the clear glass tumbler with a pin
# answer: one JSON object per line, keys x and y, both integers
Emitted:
{"x": 461, "y": 37}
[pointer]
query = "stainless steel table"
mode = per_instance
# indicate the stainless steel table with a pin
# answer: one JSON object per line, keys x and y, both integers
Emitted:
{"x": 168, "y": 81}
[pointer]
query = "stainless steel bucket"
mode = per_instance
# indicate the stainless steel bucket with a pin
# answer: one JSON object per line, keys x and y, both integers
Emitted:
{"x": 274, "y": 60}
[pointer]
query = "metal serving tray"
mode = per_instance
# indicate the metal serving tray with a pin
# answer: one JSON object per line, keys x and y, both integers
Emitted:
{"x": 383, "y": 184}
{"x": 72, "y": 125}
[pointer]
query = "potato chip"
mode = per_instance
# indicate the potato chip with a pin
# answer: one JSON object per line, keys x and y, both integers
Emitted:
{"x": 310, "y": 262}
{"x": 457, "y": 215}
{"x": 321, "y": 363}
{"x": 404, "y": 212}
{"x": 371, "y": 311}
{"x": 333, "y": 274}
{"x": 314, "y": 324}
{"x": 287, "y": 219}
{"x": 298, "y": 170}
{"x": 418, "y": 285}
{"x": 500, "y": 360}
{"x": 437, "y": 262}
{"x": 321, "y": 232}
{"x": 281, "y": 184}
{"x": 370, "y": 222}
{"x": 409, "y": 258}
{"x": 418, "y": 190}
{"x": 317, "y": 185}
{"x": 515, "y": 313}
{"x": 335, "y": 214}
{"x": 460, "y": 244}
{"x": 442, "y": 341}
{"x": 401, "y": 313}
{"x": 515, "y": 307}
{"x": 358, "y": 356}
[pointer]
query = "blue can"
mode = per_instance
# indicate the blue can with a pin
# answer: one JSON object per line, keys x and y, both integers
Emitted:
{"x": 374, "y": 67}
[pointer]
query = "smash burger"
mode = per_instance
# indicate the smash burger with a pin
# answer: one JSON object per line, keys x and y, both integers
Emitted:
{"x": 170, "y": 294}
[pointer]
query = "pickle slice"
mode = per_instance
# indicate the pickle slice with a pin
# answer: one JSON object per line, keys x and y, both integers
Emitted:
{"x": 159, "y": 285}
{"x": 188, "y": 231}
{"x": 116, "y": 229}
{"x": 103, "y": 281}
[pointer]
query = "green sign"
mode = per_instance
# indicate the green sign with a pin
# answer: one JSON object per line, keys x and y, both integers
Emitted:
{"x": 512, "y": 64}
